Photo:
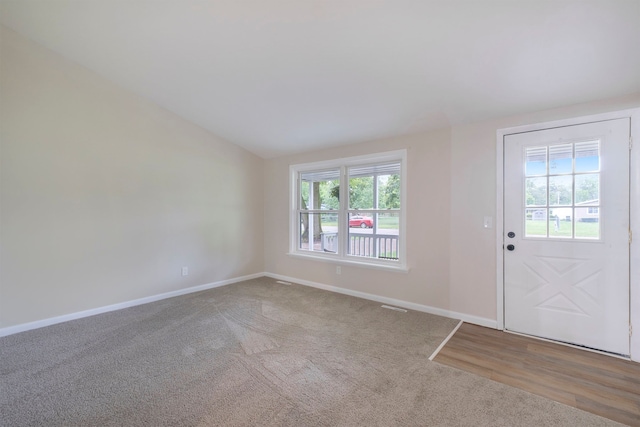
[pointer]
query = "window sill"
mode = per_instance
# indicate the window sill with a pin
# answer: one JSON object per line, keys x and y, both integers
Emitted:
{"x": 399, "y": 268}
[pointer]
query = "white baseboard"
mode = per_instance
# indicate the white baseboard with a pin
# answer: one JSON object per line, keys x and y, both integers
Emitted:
{"x": 10, "y": 330}
{"x": 476, "y": 320}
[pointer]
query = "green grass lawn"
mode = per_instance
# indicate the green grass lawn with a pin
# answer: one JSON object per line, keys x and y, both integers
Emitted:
{"x": 389, "y": 222}
{"x": 583, "y": 229}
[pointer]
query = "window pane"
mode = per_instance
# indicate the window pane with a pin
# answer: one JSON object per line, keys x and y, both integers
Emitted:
{"x": 587, "y": 223}
{"x": 361, "y": 220}
{"x": 389, "y": 191}
{"x": 588, "y": 156}
{"x": 374, "y": 235}
{"x": 329, "y": 194}
{"x": 535, "y": 223}
{"x": 361, "y": 238}
{"x": 561, "y": 159}
{"x": 374, "y": 186}
{"x": 387, "y": 235}
{"x": 324, "y": 237}
{"x": 305, "y": 190}
{"x": 560, "y": 224}
{"x": 560, "y": 190}
{"x": 389, "y": 221}
{"x": 536, "y": 161}
{"x": 361, "y": 192}
{"x": 536, "y": 191}
{"x": 320, "y": 189}
{"x": 588, "y": 189}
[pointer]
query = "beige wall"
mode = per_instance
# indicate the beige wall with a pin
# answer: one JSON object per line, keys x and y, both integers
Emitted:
{"x": 428, "y": 218}
{"x": 451, "y": 188}
{"x": 473, "y": 196}
{"x": 105, "y": 196}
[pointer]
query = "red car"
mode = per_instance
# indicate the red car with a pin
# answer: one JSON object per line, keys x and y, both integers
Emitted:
{"x": 361, "y": 221}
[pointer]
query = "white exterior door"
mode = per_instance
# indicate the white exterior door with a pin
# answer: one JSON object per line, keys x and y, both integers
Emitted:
{"x": 566, "y": 242}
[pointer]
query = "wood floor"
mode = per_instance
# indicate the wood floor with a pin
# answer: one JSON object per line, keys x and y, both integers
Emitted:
{"x": 593, "y": 382}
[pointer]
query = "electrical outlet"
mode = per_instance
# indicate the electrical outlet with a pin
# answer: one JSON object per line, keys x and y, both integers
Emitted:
{"x": 338, "y": 270}
{"x": 185, "y": 271}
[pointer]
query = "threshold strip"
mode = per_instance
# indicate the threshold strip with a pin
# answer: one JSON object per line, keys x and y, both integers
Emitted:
{"x": 446, "y": 340}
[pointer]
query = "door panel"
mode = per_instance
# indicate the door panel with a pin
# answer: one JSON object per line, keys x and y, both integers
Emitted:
{"x": 566, "y": 195}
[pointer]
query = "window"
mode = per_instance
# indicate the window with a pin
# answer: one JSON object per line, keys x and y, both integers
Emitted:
{"x": 562, "y": 191}
{"x": 350, "y": 210}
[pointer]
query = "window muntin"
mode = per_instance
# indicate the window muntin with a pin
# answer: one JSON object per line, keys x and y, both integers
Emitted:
{"x": 562, "y": 191}
{"x": 350, "y": 209}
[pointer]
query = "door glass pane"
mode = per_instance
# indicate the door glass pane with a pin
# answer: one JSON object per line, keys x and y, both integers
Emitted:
{"x": 561, "y": 159}
{"x": 535, "y": 223}
{"x": 588, "y": 189}
{"x": 536, "y": 161}
{"x": 560, "y": 223}
{"x": 588, "y": 156}
{"x": 560, "y": 190}
{"x": 536, "y": 191}
{"x": 587, "y": 223}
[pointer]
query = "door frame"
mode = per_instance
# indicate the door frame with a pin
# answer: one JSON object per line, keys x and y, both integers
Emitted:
{"x": 634, "y": 206}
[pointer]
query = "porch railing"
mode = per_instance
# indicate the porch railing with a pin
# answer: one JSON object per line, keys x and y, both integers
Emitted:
{"x": 384, "y": 246}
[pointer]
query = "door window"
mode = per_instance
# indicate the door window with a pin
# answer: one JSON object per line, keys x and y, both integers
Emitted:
{"x": 562, "y": 191}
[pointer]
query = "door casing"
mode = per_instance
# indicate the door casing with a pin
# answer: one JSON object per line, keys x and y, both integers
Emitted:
{"x": 634, "y": 297}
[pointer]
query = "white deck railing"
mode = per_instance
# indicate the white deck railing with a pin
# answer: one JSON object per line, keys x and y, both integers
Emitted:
{"x": 366, "y": 245}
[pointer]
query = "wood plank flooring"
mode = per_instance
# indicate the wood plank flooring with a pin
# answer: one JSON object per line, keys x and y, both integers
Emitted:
{"x": 593, "y": 382}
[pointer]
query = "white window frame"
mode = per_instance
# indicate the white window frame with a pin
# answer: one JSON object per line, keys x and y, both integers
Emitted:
{"x": 343, "y": 228}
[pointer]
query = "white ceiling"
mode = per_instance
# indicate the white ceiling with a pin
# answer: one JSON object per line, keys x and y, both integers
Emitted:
{"x": 282, "y": 76}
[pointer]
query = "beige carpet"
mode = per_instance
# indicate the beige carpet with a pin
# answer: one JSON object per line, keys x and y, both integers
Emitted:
{"x": 255, "y": 353}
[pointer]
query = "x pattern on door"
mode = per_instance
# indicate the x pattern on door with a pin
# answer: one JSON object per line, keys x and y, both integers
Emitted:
{"x": 564, "y": 284}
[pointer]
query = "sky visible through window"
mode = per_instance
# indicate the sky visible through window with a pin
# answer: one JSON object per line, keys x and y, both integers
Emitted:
{"x": 561, "y": 158}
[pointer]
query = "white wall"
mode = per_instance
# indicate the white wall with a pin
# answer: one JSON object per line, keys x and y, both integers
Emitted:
{"x": 105, "y": 196}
